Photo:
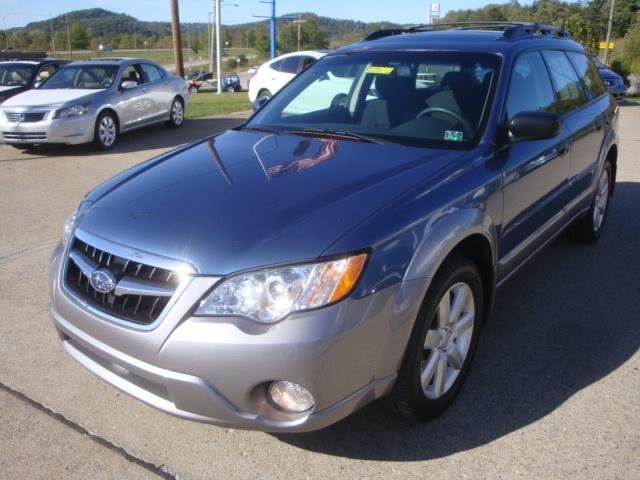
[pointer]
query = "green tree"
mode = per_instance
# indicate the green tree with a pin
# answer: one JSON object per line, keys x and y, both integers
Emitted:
{"x": 631, "y": 52}
{"x": 262, "y": 44}
{"x": 582, "y": 31}
{"x": 79, "y": 37}
{"x": 125, "y": 41}
{"x": 312, "y": 37}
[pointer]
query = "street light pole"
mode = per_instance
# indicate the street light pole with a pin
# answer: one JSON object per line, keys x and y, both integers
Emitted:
{"x": 218, "y": 49}
{"x": 606, "y": 47}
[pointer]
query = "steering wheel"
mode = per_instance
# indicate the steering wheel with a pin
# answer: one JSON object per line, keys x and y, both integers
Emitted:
{"x": 462, "y": 121}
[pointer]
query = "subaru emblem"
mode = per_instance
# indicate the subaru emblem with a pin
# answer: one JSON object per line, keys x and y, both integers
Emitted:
{"x": 103, "y": 280}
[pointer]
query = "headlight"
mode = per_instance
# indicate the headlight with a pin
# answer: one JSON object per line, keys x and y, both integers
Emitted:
{"x": 73, "y": 111}
{"x": 270, "y": 295}
{"x": 69, "y": 227}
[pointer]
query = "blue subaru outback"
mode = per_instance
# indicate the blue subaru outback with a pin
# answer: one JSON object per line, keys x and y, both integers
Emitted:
{"x": 345, "y": 243}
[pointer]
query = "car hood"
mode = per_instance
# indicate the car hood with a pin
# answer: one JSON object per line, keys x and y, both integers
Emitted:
{"x": 609, "y": 74}
{"x": 7, "y": 89}
{"x": 244, "y": 199}
{"x": 53, "y": 97}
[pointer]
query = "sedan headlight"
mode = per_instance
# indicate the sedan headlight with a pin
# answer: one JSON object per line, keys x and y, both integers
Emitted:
{"x": 73, "y": 110}
{"x": 269, "y": 295}
{"x": 69, "y": 227}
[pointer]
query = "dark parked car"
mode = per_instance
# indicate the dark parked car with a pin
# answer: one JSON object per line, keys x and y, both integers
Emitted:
{"x": 16, "y": 76}
{"x": 282, "y": 274}
{"x": 613, "y": 81}
{"x": 230, "y": 82}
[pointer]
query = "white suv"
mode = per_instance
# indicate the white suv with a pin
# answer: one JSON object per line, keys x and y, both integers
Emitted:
{"x": 276, "y": 73}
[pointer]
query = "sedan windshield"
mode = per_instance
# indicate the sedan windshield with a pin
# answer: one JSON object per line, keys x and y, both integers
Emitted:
{"x": 431, "y": 99}
{"x": 85, "y": 76}
{"x": 16, "y": 74}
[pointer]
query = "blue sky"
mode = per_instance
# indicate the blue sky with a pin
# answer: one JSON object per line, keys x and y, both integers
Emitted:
{"x": 17, "y": 13}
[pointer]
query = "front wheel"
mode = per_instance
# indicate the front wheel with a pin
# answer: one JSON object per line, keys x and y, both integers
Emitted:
{"x": 589, "y": 228}
{"x": 176, "y": 117}
{"x": 442, "y": 343}
{"x": 105, "y": 132}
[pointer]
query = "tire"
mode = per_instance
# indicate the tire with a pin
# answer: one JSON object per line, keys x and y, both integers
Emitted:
{"x": 433, "y": 344}
{"x": 194, "y": 89}
{"x": 230, "y": 90}
{"x": 176, "y": 114}
{"x": 105, "y": 132}
{"x": 22, "y": 146}
{"x": 589, "y": 228}
{"x": 264, "y": 93}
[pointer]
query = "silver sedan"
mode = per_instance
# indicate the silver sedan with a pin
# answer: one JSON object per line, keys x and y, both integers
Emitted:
{"x": 94, "y": 101}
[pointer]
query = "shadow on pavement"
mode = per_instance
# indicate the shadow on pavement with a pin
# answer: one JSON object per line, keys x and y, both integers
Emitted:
{"x": 566, "y": 320}
{"x": 148, "y": 138}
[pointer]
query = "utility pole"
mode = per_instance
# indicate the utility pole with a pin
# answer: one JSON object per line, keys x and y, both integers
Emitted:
{"x": 135, "y": 43}
{"x": 68, "y": 38}
{"x": 606, "y": 47}
{"x": 218, "y": 49}
{"x": 177, "y": 39}
{"x": 53, "y": 38}
{"x": 299, "y": 22}
{"x": 273, "y": 26}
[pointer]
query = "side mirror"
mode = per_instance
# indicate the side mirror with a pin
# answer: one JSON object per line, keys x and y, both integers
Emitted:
{"x": 534, "y": 126}
{"x": 128, "y": 85}
{"x": 37, "y": 84}
{"x": 259, "y": 102}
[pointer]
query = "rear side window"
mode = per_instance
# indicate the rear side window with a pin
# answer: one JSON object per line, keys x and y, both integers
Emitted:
{"x": 290, "y": 65}
{"x": 588, "y": 73}
{"x": 530, "y": 88}
{"x": 277, "y": 66}
{"x": 565, "y": 81}
{"x": 151, "y": 72}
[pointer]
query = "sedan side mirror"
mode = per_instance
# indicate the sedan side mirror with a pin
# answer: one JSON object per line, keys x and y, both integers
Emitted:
{"x": 259, "y": 102}
{"x": 37, "y": 84}
{"x": 128, "y": 84}
{"x": 534, "y": 126}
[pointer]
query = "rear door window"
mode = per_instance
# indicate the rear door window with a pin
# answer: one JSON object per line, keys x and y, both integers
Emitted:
{"x": 588, "y": 73}
{"x": 530, "y": 88}
{"x": 565, "y": 81}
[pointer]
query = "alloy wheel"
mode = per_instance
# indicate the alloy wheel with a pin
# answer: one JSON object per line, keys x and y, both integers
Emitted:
{"x": 448, "y": 340}
{"x": 177, "y": 112}
{"x": 107, "y": 131}
{"x": 602, "y": 197}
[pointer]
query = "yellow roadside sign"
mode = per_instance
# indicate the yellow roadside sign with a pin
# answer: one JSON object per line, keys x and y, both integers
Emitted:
{"x": 603, "y": 45}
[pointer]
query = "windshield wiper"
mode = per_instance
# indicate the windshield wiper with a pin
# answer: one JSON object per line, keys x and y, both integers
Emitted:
{"x": 338, "y": 133}
{"x": 258, "y": 129}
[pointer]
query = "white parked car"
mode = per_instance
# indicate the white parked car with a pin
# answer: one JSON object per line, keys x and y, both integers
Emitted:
{"x": 94, "y": 101}
{"x": 276, "y": 73}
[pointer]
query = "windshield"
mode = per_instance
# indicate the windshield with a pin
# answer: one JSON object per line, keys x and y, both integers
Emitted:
{"x": 16, "y": 74}
{"x": 431, "y": 99}
{"x": 85, "y": 76}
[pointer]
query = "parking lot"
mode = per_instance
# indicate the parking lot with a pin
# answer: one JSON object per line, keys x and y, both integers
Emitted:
{"x": 554, "y": 391}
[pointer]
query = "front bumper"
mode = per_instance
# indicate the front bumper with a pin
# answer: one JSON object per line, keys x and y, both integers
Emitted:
{"x": 72, "y": 130}
{"x": 217, "y": 370}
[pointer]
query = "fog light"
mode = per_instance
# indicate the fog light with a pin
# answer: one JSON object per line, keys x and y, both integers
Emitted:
{"x": 290, "y": 396}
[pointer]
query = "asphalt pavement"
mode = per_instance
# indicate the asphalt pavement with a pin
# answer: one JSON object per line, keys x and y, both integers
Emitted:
{"x": 554, "y": 391}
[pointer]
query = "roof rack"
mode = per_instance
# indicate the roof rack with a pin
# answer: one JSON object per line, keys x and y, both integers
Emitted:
{"x": 509, "y": 29}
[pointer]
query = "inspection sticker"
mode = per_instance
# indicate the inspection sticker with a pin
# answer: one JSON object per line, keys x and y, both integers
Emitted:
{"x": 380, "y": 70}
{"x": 453, "y": 135}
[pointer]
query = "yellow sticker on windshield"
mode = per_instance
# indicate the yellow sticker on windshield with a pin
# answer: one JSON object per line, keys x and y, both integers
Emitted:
{"x": 380, "y": 70}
